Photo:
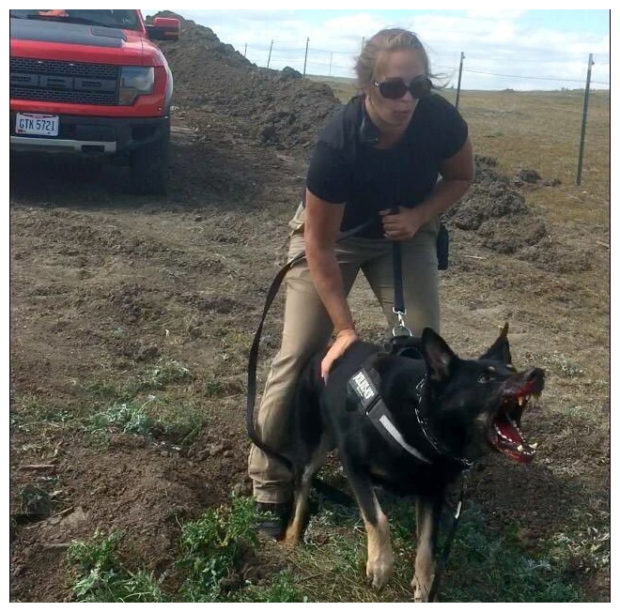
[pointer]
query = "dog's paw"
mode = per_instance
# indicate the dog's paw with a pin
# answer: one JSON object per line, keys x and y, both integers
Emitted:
{"x": 291, "y": 539}
{"x": 421, "y": 589}
{"x": 378, "y": 572}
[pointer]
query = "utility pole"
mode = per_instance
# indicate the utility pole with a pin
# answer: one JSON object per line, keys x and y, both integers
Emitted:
{"x": 583, "y": 123}
{"x": 245, "y": 49}
{"x": 331, "y": 57}
{"x": 269, "y": 57}
{"x": 306, "y": 56}
{"x": 458, "y": 87}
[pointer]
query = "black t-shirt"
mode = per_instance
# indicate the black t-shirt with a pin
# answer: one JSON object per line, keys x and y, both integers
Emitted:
{"x": 346, "y": 167}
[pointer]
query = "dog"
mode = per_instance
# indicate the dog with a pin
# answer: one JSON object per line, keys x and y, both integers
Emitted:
{"x": 432, "y": 414}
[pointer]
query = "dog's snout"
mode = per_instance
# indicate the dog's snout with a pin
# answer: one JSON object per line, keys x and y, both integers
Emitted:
{"x": 535, "y": 375}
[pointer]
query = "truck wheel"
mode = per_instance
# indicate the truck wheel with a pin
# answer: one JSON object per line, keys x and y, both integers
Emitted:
{"x": 149, "y": 165}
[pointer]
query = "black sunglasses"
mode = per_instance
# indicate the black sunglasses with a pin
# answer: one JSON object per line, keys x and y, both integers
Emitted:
{"x": 397, "y": 88}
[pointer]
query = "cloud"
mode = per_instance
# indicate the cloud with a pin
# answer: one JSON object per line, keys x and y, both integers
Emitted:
{"x": 499, "y": 42}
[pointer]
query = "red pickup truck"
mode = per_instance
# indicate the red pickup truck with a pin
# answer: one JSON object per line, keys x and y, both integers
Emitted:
{"x": 91, "y": 82}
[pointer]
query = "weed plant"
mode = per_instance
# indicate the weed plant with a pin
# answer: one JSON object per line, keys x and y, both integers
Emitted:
{"x": 102, "y": 577}
{"x": 212, "y": 548}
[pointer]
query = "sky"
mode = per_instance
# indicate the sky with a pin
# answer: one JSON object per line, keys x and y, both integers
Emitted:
{"x": 503, "y": 49}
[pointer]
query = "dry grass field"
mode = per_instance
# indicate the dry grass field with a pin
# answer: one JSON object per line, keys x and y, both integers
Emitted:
{"x": 541, "y": 131}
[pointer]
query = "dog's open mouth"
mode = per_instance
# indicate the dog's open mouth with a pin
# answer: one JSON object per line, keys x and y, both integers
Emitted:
{"x": 506, "y": 434}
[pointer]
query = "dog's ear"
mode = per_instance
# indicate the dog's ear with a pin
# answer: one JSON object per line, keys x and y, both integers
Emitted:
{"x": 437, "y": 354}
{"x": 500, "y": 351}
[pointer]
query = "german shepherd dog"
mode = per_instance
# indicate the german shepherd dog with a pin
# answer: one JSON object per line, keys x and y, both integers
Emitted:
{"x": 442, "y": 413}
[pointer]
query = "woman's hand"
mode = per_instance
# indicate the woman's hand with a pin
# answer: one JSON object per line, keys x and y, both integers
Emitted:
{"x": 344, "y": 339}
{"x": 404, "y": 224}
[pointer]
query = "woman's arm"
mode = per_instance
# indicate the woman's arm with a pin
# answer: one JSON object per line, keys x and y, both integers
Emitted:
{"x": 457, "y": 173}
{"x": 322, "y": 224}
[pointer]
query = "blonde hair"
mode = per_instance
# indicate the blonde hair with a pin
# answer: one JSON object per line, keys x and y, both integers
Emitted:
{"x": 391, "y": 39}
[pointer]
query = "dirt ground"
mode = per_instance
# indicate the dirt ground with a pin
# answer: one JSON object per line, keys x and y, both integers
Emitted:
{"x": 104, "y": 285}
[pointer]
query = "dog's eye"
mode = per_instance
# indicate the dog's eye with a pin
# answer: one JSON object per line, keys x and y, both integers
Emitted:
{"x": 486, "y": 377}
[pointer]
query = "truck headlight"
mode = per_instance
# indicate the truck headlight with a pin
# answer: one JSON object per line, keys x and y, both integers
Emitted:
{"x": 135, "y": 81}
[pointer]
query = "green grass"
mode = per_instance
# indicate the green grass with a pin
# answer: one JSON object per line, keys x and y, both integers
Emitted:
{"x": 28, "y": 412}
{"x": 284, "y": 587}
{"x": 483, "y": 566}
{"x": 129, "y": 405}
{"x": 152, "y": 418}
{"x": 145, "y": 405}
{"x": 166, "y": 372}
{"x": 101, "y": 577}
{"x": 214, "y": 550}
{"x": 490, "y": 567}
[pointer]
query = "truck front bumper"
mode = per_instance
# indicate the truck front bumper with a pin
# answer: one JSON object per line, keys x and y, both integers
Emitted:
{"x": 92, "y": 135}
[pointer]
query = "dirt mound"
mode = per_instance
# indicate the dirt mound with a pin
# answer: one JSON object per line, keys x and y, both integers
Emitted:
{"x": 278, "y": 108}
{"x": 494, "y": 215}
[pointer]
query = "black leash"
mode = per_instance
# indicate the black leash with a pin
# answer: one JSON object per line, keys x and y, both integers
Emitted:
{"x": 400, "y": 329}
{"x": 253, "y": 357}
{"x": 443, "y": 560}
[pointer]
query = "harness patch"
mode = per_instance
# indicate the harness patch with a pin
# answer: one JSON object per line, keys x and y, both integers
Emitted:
{"x": 363, "y": 386}
{"x": 364, "y": 389}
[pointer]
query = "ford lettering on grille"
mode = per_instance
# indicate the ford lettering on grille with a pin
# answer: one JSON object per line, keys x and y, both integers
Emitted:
{"x": 57, "y": 81}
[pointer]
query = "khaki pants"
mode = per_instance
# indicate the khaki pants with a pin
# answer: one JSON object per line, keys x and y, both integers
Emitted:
{"x": 307, "y": 329}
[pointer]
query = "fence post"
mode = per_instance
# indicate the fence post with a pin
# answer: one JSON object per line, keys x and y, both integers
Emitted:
{"x": 269, "y": 56}
{"x": 458, "y": 87}
{"x": 306, "y": 56}
{"x": 583, "y": 122}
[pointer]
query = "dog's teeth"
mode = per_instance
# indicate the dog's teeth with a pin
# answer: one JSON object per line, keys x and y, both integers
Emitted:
{"x": 520, "y": 448}
{"x": 520, "y": 400}
{"x": 534, "y": 446}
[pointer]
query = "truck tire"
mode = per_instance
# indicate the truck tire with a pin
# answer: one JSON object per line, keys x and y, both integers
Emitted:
{"x": 149, "y": 165}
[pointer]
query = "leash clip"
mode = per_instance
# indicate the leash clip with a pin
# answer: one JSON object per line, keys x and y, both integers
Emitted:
{"x": 400, "y": 327}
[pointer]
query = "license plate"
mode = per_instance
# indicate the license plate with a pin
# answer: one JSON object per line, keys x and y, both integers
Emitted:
{"x": 36, "y": 124}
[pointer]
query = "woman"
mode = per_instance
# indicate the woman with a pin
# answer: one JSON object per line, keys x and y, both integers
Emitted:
{"x": 378, "y": 158}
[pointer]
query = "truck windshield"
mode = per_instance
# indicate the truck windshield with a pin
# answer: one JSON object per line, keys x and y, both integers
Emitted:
{"x": 124, "y": 19}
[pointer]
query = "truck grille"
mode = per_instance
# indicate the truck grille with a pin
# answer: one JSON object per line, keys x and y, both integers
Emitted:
{"x": 58, "y": 81}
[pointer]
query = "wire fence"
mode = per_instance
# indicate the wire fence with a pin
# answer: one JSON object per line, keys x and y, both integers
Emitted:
{"x": 470, "y": 74}
{"x": 324, "y": 62}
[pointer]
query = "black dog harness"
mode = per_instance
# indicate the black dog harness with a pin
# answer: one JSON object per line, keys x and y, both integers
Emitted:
{"x": 370, "y": 402}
